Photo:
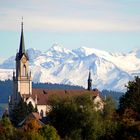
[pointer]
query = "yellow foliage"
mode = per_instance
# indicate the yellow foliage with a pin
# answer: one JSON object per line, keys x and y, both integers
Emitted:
{"x": 32, "y": 125}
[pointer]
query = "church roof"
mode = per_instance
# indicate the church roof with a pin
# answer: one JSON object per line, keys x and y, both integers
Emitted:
{"x": 34, "y": 115}
{"x": 43, "y": 94}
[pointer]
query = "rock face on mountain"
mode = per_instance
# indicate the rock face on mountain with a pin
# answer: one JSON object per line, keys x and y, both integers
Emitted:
{"x": 60, "y": 65}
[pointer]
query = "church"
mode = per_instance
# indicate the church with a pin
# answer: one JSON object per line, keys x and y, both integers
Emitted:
{"x": 22, "y": 86}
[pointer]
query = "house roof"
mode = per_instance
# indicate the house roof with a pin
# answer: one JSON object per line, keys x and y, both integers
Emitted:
{"x": 32, "y": 116}
{"x": 43, "y": 94}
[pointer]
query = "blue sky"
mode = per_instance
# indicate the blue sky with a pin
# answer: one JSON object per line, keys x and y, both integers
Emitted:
{"x": 111, "y": 25}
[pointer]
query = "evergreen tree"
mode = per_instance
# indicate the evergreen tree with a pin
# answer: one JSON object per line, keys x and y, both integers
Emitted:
{"x": 30, "y": 108}
{"x": 129, "y": 110}
{"x": 131, "y": 99}
{"x": 20, "y": 111}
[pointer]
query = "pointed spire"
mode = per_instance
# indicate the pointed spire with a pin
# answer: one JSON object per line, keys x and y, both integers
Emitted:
{"x": 89, "y": 81}
{"x": 89, "y": 77}
{"x": 22, "y": 46}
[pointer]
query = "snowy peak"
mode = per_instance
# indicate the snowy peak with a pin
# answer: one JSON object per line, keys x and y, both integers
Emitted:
{"x": 2, "y": 59}
{"x": 85, "y": 51}
{"x": 136, "y": 53}
{"x": 58, "y": 51}
{"x": 61, "y": 65}
{"x": 8, "y": 63}
{"x": 59, "y": 48}
{"x": 33, "y": 53}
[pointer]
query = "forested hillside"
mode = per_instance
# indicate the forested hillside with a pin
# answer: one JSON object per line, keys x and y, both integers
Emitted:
{"x": 6, "y": 88}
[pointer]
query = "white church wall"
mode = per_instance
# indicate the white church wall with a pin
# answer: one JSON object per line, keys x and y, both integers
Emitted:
{"x": 32, "y": 101}
{"x": 44, "y": 108}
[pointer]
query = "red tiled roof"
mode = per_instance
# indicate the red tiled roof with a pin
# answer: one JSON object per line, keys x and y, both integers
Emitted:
{"x": 60, "y": 91}
{"x": 34, "y": 115}
{"x": 31, "y": 116}
{"x": 43, "y": 94}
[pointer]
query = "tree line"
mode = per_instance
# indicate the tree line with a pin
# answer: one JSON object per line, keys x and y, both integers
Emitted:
{"x": 75, "y": 118}
{"x": 7, "y": 86}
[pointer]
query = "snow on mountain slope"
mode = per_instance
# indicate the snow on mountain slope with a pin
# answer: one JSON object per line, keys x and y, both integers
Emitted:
{"x": 33, "y": 54}
{"x": 8, "y": 63}
{"x": 136, "y": 53}
{"x": 84, "y": 51}
{"x": 2, "y": 59}
{"x": 60, "y": 65}
{"x": 5, "y": 74}
{"x": 127, "y": 62}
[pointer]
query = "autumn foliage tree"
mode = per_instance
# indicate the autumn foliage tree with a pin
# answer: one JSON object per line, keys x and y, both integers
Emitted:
{"x": 32, "y": 125}
{"x": 129, "y": 110}
{"x": 131, "y": 99}
{"x": 6, "y": 129}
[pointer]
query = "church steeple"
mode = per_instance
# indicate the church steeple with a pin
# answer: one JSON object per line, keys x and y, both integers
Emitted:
{"x": 22, "y": 80}
{"x": 22, "y": 45}
{"x": 89, "y": 82}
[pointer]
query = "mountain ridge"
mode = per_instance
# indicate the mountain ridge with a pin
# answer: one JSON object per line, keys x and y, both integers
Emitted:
{"x": 60, "y": 65}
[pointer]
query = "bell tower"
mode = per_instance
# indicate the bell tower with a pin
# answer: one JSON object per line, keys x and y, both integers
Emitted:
{"x": 22, "y": 81}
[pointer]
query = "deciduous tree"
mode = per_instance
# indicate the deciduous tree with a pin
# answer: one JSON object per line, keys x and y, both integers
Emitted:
{"x": 49, "y": 132}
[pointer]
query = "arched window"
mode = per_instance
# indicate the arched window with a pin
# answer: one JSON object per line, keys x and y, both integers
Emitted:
{"x": 41, "y": 113}
{"x": 24, "y": 70}
{"x": 30, "y": 104}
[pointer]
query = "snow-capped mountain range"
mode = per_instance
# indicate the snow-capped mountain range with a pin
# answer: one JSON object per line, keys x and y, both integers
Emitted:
{"x": 61, "y": 65}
